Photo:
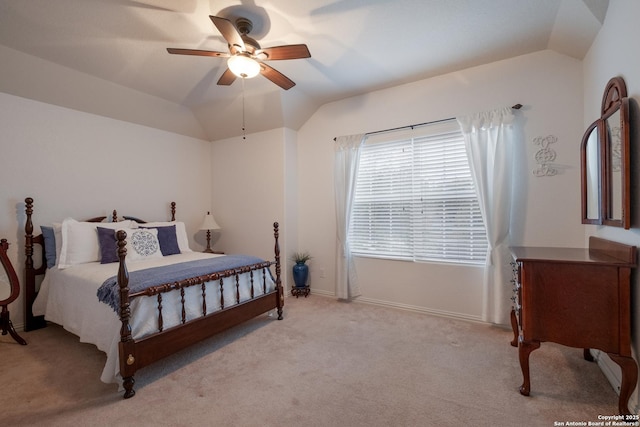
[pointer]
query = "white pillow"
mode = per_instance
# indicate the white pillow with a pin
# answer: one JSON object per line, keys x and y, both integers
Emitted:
{"x": 57, "y": 232}
{"x": 80, "y": 241}
{"x": 181, "y": 233}
{"x": 142, "y": 243}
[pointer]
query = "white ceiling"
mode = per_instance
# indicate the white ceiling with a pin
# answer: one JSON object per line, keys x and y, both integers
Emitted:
{"x": 356, "y": 46}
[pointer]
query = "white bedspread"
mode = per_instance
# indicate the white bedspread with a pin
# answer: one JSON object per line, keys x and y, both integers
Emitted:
{"x": 68, "y": 297}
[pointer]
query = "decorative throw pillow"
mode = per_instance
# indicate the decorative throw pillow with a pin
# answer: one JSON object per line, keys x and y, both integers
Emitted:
{"x": 108, "y": 245}
{"x": 80, "y": 241}
{"x": 168, "y": 239}
{"x": 142, "y": 243}
{"x": 181, "y": 233}
{"x": 49, "y": 245}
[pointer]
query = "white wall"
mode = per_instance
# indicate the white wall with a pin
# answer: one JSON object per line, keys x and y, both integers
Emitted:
{"x": 614, "y": 53}
{"x": 248, "y": 193}
{"x": 35, "y": 78}
{"x": 290, "y": 205}
{"x": 550, "y": 87}
{"x": 82, "y": 165}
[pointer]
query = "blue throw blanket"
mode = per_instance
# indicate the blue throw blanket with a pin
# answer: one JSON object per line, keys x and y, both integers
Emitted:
{"x": 109, "y": 291}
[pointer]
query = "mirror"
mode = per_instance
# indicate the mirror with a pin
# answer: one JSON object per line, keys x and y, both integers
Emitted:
{"x": 605, "y": 164}
{"x": 591, "y": 189}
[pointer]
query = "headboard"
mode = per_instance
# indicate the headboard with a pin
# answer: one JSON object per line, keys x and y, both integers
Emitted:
{"x": 36, "y": 242}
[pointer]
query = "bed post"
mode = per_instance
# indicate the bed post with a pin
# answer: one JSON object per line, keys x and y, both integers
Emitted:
{"x": 280, "y": 292}
{"x": 31, "y": 322}
{"x": 126, "y": 347}
{"x": 28, "y": 265}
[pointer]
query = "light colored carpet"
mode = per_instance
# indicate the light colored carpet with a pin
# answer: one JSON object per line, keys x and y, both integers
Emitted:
{"x": 328, "y": 363}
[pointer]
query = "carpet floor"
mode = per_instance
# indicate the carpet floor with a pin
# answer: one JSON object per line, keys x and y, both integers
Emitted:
{"x": 328, "y": 363}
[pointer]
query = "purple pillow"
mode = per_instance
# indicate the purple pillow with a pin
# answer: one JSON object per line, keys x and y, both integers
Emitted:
{"x": 168, "y": 239}
{"x": 108, "y": 246}
{"x": 49, "y": 245}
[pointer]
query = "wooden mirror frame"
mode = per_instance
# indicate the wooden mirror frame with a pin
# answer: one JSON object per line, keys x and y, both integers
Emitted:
{"x": 610, "y": 190}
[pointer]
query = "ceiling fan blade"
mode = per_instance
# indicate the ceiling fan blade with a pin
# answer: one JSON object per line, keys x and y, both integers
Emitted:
{"x": 291, "y": 51}
{"x": 229, "y": 32}
{"x": 227, "y": 78}
{"x": 276, "y": 77}
{"x": 197, "y": 52}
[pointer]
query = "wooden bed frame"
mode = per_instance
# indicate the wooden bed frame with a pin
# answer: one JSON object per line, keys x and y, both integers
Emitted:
{"x": 135, "y": 354}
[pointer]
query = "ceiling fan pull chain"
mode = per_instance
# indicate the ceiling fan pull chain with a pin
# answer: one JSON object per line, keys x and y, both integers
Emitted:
{"x": 244, "y": 133}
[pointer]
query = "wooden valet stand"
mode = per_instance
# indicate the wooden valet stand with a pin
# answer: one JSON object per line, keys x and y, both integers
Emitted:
{"x": 14, "y": 290}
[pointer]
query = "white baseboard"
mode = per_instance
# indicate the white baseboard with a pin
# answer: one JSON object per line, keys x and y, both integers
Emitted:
{"x": 19, "y": 327}
{"x": 407, "y": 307}
{"x": 323, "y": 293}
{"x": 417, "y": 309}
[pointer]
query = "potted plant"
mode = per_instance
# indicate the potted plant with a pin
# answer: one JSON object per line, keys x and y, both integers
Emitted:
{"x": 300, "y": 269}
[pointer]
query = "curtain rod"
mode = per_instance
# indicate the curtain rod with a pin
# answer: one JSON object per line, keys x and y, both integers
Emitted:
{"x": 515, "y": 107}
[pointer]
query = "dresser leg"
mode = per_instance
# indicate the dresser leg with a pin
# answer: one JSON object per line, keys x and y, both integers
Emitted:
{"x": 514, "y": 326}
{"x": 524, "y": 350}
{"x": 629, "y": 380}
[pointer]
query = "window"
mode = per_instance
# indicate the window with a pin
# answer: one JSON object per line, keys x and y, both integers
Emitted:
{"x": 415, "y": 198}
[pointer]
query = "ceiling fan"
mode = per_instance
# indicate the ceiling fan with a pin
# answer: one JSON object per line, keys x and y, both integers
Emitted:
{"x": 246, "y": 57}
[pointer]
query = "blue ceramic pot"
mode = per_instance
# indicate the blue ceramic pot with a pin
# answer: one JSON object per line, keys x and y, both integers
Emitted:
{"x": 300, "y": 274}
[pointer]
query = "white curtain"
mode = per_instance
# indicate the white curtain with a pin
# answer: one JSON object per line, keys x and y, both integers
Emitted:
{"x": 490, "y": 138}
{"x": 347, "y": 155}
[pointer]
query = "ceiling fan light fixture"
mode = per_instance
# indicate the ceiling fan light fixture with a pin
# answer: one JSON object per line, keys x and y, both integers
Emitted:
{"x": 246, "y": 58}
{"x": 243, "y": 66}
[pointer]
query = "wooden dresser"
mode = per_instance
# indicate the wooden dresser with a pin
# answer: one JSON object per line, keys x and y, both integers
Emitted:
{"x": 578, "y": 298}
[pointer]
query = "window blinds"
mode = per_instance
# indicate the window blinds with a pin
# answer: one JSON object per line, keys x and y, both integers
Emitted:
{"x": 415, "y": 199}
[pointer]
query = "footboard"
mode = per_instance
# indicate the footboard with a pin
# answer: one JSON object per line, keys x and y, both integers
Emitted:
{"x": 137, "y": 353}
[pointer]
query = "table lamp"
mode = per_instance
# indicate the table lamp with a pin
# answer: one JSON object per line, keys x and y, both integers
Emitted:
{"x": 209, "y": 224}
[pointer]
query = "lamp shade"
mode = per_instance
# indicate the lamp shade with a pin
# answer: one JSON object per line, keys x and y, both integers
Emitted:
{"x": 243, "y": 66}
{"x": 209, "y": 223}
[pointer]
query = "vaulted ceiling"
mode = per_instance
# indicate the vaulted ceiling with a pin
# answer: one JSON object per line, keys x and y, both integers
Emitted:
{"x": 356, "y": 46}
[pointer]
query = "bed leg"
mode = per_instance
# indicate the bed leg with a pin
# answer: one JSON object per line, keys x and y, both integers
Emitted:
{"x": 128, "y": 383}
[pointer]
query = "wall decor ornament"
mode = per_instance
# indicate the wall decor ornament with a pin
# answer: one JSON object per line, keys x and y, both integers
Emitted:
{"x": 545, "y": 156}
